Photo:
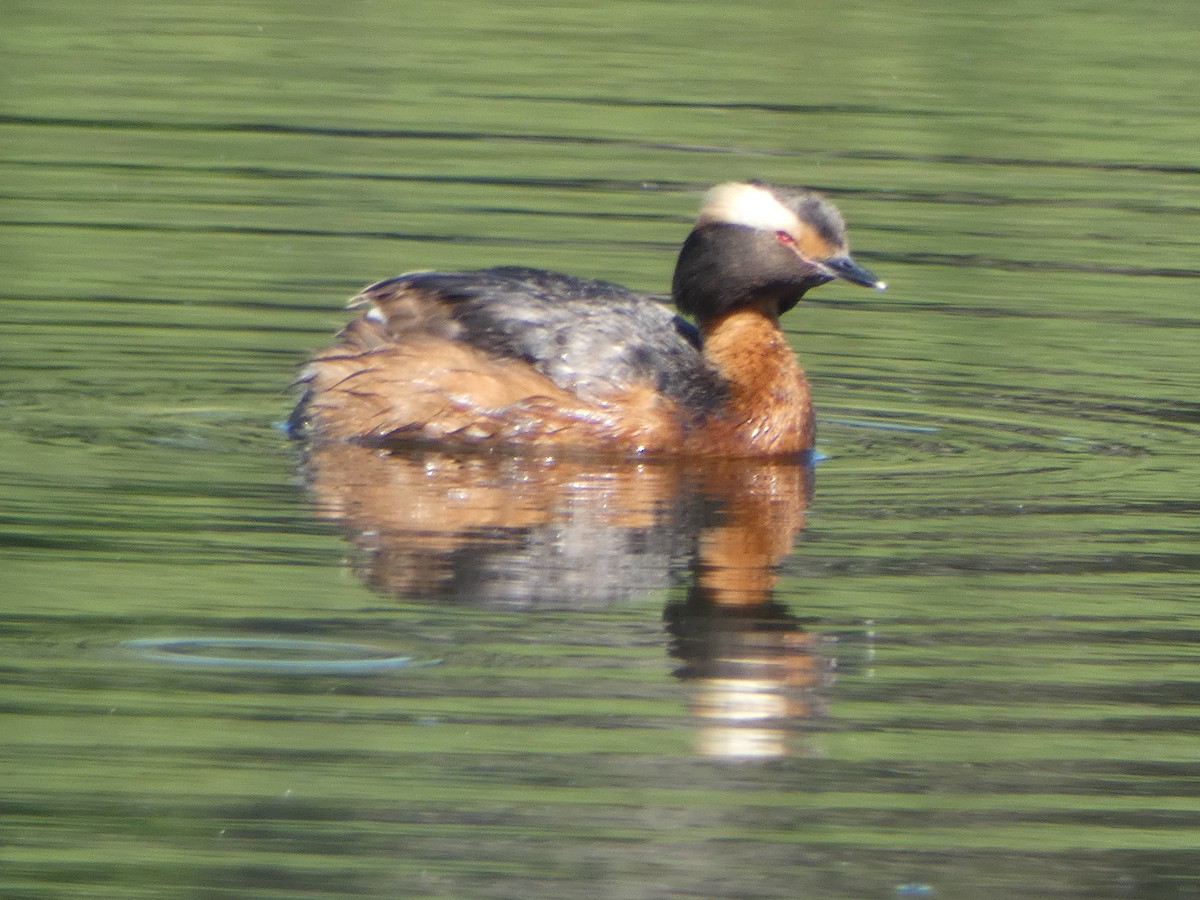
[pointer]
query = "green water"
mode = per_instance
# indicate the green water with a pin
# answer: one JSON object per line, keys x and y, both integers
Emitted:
{"x": 976, "y": 674}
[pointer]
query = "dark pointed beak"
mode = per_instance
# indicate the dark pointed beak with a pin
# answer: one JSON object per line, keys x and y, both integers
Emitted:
{"x": 846, "y": 268}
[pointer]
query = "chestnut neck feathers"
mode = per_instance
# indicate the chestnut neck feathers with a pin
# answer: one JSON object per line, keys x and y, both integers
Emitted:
{"x": 767, "y": 396}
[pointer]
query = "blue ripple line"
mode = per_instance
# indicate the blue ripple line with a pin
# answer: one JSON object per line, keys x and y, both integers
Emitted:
{"x": 884, "y": 426}
{"x": 161, "y": 650}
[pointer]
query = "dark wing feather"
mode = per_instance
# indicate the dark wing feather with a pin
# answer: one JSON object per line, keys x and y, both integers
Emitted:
{"x": 587, "y": 336}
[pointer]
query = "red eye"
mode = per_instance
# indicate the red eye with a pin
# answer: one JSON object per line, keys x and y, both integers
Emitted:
{"x": 784, "y": 238}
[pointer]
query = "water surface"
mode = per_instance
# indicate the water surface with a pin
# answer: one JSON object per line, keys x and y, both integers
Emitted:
{"x": 959, "y": 659}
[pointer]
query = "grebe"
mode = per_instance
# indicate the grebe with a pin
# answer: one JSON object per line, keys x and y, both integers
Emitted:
{"x": 520, "y": 357}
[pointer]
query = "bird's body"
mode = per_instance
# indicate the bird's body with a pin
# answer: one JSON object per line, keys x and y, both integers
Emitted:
{"x": 523, "y": 357}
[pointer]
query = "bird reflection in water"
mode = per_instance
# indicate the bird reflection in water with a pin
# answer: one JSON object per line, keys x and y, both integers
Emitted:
{"x": 528, "y": 532}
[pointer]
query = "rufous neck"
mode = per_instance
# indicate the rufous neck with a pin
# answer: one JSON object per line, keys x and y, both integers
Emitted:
{"x": 768, "y": 401}
{"x": 746, "y": 344}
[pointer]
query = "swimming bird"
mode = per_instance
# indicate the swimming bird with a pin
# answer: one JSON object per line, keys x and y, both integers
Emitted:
{"x": 515, "y": 357}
